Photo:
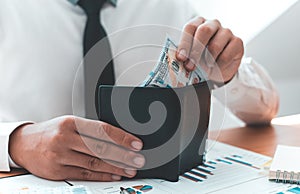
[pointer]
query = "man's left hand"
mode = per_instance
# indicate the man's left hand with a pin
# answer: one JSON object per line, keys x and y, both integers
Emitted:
{"x": 226, "y": 50}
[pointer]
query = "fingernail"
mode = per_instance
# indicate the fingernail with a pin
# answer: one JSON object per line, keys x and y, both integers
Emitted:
{"x": 130, "y": 172}
{"x": 191, "y": 64}
{"x": 137, "y": 145}
{"x": 182, "y": 53}
{"x": 116, "y": 177}
{"x": 140, "y": 161}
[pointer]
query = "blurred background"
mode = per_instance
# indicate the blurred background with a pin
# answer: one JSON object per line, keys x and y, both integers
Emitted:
{"x": 270, "y": 30}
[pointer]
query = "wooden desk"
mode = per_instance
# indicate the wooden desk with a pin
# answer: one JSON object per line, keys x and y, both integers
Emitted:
{"x": 262, "y": 140}
{"x": 14, "y": 172}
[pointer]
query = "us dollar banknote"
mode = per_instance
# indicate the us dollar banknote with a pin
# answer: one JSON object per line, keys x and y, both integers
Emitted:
{"x": 169, "y": 72}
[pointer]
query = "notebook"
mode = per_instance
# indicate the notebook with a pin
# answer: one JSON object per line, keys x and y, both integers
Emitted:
{"x": 285, "y": 166}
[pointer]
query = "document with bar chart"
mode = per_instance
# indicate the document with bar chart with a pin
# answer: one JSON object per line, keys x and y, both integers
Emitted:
{"x": 225, "y": 166}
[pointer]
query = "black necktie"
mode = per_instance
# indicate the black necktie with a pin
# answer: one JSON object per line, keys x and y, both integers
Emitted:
{"x": 93, "y": 33}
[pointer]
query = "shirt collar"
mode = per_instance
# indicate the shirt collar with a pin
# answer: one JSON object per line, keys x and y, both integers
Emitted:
{"x": 112, "y": 2}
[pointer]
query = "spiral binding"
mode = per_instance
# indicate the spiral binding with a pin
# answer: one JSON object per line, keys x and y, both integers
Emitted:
{"x": 285, "y": 175}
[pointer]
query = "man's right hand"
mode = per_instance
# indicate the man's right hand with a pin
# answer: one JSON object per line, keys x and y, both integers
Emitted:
{"x": 69, "y": 147}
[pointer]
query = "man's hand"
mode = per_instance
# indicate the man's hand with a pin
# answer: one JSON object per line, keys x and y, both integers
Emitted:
{"x": 75, "y": 148}
{"x": 226, "y": 49}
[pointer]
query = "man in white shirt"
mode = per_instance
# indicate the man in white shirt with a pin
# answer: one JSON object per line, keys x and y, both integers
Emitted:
{"x": 40, "y": 52}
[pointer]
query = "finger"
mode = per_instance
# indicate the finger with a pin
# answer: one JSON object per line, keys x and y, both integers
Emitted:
{"x": 202, "y": 36}
{"x": 74, "y": 158}
{"x": 108, "y": 151}
{"x": 106, "y": 132}
{"x": 229, "y": 60}
{"x": 234, "y": 50}
{"x": 77, "y": 173}
{"x": 218, "y": 43}
{"x": 187, "y": 36}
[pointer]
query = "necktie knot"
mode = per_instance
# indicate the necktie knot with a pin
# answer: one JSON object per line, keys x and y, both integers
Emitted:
{"x": 91, "y": 7}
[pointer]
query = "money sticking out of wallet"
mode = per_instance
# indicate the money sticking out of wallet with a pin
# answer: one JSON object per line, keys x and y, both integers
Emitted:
{"x": 169, "y": 72}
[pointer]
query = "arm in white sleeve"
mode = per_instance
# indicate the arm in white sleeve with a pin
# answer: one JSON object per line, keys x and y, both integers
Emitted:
{"x": 5, "y": 130}
{"x": 251, "y": 94}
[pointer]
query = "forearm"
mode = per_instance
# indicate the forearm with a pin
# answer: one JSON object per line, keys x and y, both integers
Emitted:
{"x": 251, "y": 94}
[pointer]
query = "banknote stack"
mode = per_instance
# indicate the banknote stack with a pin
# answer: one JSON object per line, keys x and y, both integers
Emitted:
{"x": 169, "y": 72}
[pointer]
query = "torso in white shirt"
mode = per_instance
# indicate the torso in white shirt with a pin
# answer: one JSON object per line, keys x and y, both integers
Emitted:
{"x": 41, "y": 49}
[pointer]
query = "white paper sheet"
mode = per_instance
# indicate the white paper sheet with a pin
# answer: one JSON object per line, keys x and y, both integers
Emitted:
{"x": 26, "y": 183}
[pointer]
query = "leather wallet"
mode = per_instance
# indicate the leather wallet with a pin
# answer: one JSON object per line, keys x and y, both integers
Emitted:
{"x": 171, "y": 122}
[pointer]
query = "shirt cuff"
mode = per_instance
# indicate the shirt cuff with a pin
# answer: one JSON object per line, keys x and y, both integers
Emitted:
{"x": 234, "y": 89}
{"x": 251, "y": 94}
{"x": 248, "y": 76}
{"x": 12, "y": 163}
{"x": 5, "y": 130}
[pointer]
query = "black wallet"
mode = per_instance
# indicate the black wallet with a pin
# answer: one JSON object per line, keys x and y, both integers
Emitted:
{"x": 171, "y": 122}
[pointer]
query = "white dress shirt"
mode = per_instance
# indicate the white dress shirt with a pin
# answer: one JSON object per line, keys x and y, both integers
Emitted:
{"x": 41, "y": 49}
